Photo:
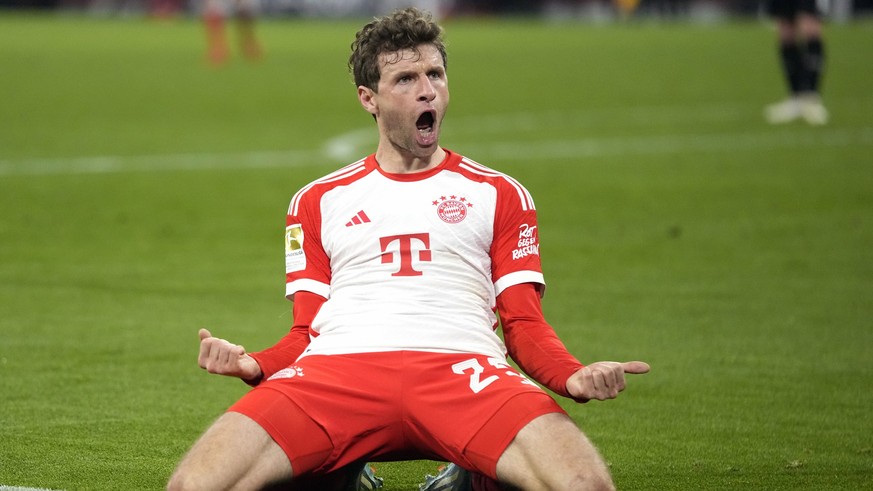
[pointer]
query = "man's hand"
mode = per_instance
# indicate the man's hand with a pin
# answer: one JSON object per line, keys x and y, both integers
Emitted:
{"x": 602, "y": 380}
{"x": 224, "y": 358}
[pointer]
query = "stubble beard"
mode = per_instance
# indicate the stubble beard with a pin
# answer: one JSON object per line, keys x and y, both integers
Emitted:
{"x": 406, "y": 142}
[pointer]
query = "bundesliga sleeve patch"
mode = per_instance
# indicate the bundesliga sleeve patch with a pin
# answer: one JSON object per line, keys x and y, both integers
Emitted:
{"x": 295, "y": 258}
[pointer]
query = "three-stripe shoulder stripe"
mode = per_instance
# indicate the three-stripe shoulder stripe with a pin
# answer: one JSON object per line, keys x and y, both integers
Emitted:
{"x": 524, "y": 196}
{"x": 337, "y": 175}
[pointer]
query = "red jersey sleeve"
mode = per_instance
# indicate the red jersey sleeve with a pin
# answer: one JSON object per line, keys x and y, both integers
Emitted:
{"x": 290, "y": 347}
{"x": 531, "y": 341}
{"x": 515, "y": 247}
{"x": 307, "y": 266}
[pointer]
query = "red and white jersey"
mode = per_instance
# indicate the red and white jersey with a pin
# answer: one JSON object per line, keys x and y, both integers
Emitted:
{"x": 410, "y": 261}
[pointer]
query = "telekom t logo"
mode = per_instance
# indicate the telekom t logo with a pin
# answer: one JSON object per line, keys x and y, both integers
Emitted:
{"x": 406, "y": 243}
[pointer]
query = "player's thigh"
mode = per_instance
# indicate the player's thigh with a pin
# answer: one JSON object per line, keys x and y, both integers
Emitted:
{"x": 551, "y": 452}
{"x": 234, "y": 453}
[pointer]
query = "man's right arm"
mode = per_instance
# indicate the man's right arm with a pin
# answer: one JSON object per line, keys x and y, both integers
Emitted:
{"x": 222, "y": 357}
{"x": 290, "y": 347}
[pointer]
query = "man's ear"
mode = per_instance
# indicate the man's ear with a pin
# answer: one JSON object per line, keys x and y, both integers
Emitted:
{"x": 367, "y": 98}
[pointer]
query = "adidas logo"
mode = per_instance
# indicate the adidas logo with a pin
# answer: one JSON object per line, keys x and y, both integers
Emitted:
{"x": 358, "y": 219}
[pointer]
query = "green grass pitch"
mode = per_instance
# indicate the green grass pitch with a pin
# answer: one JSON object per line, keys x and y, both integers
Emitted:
{"x": 143, "y": 194}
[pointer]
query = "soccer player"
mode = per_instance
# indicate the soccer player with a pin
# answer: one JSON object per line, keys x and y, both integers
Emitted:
{"x": 398, "y": 266}
{"x": 244, "y": 13}
{"x": 801, "y": 50}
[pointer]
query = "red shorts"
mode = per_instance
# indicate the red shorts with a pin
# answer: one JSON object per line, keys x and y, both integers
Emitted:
{"x": 329, "y": 411}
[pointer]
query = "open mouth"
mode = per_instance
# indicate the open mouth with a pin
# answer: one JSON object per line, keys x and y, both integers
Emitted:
{"x": 425, "y": 122}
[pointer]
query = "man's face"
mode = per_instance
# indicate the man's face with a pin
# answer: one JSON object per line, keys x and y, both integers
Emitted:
{"x": 411, "y": 101}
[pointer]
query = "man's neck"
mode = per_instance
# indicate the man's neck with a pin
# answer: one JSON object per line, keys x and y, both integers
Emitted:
{"x": 394, "y": 162}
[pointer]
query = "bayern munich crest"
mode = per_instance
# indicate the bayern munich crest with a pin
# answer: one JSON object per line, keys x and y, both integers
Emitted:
{"x": 452, "y": 209}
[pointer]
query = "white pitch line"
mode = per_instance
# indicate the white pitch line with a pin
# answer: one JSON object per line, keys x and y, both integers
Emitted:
{"x": 152, "y": 163}
{"x": 669, "y": 144}
{"x": 352, "y": 145}
{"x": 19, "y": 488}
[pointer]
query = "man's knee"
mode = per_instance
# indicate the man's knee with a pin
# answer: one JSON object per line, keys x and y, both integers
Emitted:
{"x": 182, "y": 480}
{"x": 187, "y": 478}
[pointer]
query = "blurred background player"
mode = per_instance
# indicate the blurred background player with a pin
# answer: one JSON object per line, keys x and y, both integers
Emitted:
{"x": 215, "y": 14}
{"x": 801, "y": 49}
{"x": 626, "y": 8}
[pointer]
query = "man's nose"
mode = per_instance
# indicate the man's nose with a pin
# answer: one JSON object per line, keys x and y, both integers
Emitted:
{"x": 426, "y": 90}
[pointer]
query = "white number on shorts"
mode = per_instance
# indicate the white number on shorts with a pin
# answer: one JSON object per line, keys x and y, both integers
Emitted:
{"x": 476, "y": 385}
{"x": 496, "y": 363}
{"x": 476, "y": 382}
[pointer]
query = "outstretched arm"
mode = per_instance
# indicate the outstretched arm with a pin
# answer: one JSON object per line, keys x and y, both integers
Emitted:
{"x": 225, "y": 358}
{"x": 290, "y": 347}
{"x": 535, "y": 346}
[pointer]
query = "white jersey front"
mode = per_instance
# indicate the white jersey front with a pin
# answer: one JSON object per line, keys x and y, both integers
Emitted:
{"x": 411, "y": 261}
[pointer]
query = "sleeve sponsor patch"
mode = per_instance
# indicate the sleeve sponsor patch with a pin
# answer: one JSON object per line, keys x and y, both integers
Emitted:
{"x": 295, "y": 258}
{"x": 528, "y": 242}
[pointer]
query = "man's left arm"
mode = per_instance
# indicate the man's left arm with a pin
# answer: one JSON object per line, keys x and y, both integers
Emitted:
{"x": 538, "y": 351}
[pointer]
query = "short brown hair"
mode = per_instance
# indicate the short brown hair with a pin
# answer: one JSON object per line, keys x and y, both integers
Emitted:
{"x": 403, "y": 29}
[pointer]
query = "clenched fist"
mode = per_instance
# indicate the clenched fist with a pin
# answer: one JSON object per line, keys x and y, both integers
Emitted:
{"x": 225, "y": 358}
{"x": 602, "y": 380}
